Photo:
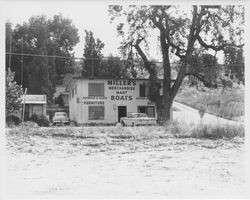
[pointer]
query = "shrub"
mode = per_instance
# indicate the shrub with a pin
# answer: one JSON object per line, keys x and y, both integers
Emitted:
{"x": 177, "y": 129}
{"x": 29, "y": 124}
{"x": 12, "y": 120}
{"x": 74, "y": 123}
{"x": 217, "y": 131}
{"x": 34, "y": 118}
{"x": 43, "y": 121}
{"x": 13, "y": 92}
{"x": 205, "y": 131}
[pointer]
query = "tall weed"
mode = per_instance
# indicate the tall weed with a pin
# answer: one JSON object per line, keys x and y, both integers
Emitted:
{"x": 228, "y": 103}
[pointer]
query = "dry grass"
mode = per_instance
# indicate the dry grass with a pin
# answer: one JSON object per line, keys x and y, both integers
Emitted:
{"x": 228, "y": 104}
{"x": 174, "y": 129}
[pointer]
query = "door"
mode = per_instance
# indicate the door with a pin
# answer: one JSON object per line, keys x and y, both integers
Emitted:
{"x": 122, "y": 112}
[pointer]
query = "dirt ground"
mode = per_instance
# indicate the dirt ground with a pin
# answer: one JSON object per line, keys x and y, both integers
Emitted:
{"x": 106, "y": 167}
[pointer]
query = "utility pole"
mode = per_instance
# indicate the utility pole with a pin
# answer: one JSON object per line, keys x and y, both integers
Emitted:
{"x": 24, "y": 104}
{"x": 10, "y": 50}
{"x": 22, "y": 65}
{"x": 92, "y": 65}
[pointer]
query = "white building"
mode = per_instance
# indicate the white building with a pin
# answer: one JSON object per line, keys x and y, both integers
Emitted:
{"x": 105, "y": 101}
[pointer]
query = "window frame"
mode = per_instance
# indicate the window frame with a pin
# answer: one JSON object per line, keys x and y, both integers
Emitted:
{"x": 102, "y": 117}
{"x": 91, "y": 95}
{"x": 146, "y": 90}
{"x": 140, "y": 90}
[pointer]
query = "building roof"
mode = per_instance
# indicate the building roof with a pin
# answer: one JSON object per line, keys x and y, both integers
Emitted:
{"x": 34, "y": 99}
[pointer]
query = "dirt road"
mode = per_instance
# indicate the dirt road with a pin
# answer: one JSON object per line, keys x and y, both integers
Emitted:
{"x": 123, "y": 168}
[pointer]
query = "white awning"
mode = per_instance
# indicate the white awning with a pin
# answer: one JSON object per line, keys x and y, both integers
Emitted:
{"x": 34, "y": 99}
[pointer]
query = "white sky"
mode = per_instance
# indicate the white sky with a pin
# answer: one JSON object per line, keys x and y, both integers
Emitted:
{"x": 89, "y": 15}
{"x": 84, "y": 15}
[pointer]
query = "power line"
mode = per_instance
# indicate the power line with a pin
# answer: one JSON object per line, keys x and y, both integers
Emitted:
{"x": 10, "y": 51}
{"x": 41, "y": 55}
{"x": 88, "y": 58}
{"x": 75, "y": 58}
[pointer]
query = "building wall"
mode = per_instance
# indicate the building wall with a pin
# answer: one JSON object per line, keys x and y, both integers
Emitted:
{"x": 30, "y": 109}
{"x": 116, "y": 93}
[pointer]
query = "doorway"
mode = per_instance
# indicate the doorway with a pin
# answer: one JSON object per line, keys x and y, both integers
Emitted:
{"x": 122, "y": 112}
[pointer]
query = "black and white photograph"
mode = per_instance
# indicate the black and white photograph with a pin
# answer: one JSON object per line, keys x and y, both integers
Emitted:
{"x": 124, "y": 99}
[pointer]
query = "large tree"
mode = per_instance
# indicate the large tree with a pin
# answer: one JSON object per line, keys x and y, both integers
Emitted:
{"x": 49, "y": 43}
{"x": 180, "y": 30}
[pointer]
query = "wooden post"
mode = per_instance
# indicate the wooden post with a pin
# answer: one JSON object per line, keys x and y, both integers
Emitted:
{"x": 24, "y": 104}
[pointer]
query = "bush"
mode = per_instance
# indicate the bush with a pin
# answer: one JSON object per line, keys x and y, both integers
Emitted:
{"x": 34, "y": 118}
{"x": 43, "y": 121}
{"x": 12, "y": 120}
{"x": 217, "y": 131}
{"x": 74, "y": 123}
{"x": 205, "y": 131}
{"x": 177, "y": 129}
{"x": 29, "y": 124}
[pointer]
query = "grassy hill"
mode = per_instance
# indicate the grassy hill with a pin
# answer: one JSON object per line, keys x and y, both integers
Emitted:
{"x": 228, "y": 103}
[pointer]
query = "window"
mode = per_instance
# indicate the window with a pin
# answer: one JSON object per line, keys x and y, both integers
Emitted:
{"x": 96, "y": 112}
{"x": 73, "y": 93}
{"x": 96, "y": 89}
{"x": 144, "y": 90}
{"x": 149, "y": 110}
{"x": 26, "y": 112}
{"x": 37, "y": 109}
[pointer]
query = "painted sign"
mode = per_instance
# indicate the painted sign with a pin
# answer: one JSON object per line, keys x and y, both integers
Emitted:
{"x": 121, "y": 88}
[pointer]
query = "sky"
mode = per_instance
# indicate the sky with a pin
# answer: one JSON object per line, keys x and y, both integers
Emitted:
{"x": 90, "y": 15}
{"x": 84, "y": 15}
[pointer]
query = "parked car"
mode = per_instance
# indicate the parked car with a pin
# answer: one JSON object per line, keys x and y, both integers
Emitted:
{"x": 136, "y": 119}
{"x": 60, "y": 118}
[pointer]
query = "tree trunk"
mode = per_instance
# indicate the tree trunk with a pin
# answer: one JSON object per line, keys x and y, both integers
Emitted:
{"x": 166, "y": 109}
{"x": 166, "y": 99}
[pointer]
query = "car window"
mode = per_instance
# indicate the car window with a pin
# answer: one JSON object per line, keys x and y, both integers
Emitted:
{"x": 143, "y": 115}
{"x": 60, "y": 114}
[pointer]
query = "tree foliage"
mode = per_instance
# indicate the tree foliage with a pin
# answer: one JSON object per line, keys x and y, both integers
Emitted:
{"x": 180, "y": 30}
{"x": 92, "y": 55}
{"x": 95, "y": 65}
{"x": 13, "y": 93}
{"x": 234, "y": 62}
{"x": 207, "y": 65}
{"x": 41, "y": 37}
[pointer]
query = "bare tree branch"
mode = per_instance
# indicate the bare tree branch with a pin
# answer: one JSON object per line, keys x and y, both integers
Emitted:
{"x": 146, "y": 62}
{"x": 203, "y": 79}
{"x": 216, "y": 48}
